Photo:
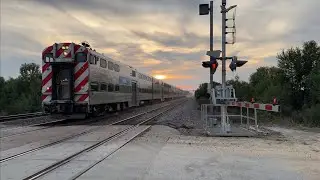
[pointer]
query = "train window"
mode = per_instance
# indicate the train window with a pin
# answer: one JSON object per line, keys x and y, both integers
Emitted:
{"x": 116, "y": 67}
{"x": 103, "y": 87}
{"x": 110, "y": 65}
{"x": 110, "y": 87}
{"x": 133, "y": 73}
{"x": 94, "y": 86}
{"x": 93, "y": 59}
{"x": 48, "y": 58}
{"x": 116, "y": 87}
{"x": 103, "y": 63}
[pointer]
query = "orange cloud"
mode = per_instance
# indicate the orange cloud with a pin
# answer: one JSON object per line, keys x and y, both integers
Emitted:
{"x": 151, "y": 62}
{"x": 175, "y": 76}
{"x": 186, "y": 87}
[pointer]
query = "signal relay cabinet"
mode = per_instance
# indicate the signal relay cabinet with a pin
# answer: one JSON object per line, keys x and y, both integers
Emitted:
{"x": 216, "y": 94}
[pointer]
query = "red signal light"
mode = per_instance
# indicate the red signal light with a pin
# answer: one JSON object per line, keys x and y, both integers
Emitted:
{"x": 214, "y": 66}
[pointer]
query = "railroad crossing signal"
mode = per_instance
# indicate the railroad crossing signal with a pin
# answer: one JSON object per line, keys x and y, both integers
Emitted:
{"x": 236, "y": 63}
{"x": 213, "y": 65}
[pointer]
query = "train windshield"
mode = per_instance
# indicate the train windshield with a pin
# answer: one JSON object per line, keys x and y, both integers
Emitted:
{"x": 48, "y": 58}
{"x": 81, "y": 57}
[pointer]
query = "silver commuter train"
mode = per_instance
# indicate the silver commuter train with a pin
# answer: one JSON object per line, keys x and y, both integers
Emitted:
{"x": 79, "y": 80}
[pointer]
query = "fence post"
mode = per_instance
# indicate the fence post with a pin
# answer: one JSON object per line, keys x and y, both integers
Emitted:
{"x": 248, "y": 117}
{"x": 256, "y": 119}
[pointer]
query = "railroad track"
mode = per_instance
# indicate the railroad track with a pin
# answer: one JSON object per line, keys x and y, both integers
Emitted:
{"x": 22, "y": 129}
{"x": 21, "y": 116}
{"x": 25, "y": 128}
{"x": 84, "y": 133}
{"x": 132, "y": 128}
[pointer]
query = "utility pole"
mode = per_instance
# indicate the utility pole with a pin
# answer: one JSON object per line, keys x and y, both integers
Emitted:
{"x": 211, "y": 41}
{"x": 205, "y": 9}
{"x": 224, "y": 11}
{"x": 223, "y": 56}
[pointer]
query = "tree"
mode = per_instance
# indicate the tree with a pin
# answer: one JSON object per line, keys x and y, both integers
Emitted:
{"x": 243, "y": 90}
{"x": 30, "y": 71}
{"x": 201, "y": 91}
{"x": 295, "y": 82}
{"x": 297, "y": 66}
{"x": 22, "y": 94}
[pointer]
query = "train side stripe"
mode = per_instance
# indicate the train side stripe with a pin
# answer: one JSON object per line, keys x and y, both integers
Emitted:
{"x": 83, "y": 83}
{"x": 45, "y": 67}
{"x": 47, "y": 79}
{"x": 59, "y": 52}
{"x": 76, "y": 48}
{"x": 49, "y": 89}
{"x": 81, "y": 70}
{"x": 46, "y": 98}
{"x": 81, "y": 78}
{"x": 83, "y": 97}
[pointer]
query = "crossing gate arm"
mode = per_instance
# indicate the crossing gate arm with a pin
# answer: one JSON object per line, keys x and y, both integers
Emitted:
{"x": 258, "y": 106}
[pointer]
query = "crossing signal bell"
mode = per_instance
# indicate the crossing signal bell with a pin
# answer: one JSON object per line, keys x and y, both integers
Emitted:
{"x": 236, "y": 63}
{"x": 213, "y": 65}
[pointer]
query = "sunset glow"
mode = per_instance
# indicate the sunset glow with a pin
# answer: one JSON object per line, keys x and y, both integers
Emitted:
{"x": 160, "y": 76}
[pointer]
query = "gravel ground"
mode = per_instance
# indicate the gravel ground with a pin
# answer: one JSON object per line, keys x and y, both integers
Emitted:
{"x": 185, "y": 118}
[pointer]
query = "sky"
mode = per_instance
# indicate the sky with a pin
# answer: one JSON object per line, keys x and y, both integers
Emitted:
{"x": 158, "y": 37}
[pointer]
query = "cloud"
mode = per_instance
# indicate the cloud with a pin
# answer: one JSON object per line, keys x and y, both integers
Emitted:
{"x": 181, "y": 40}
{"x": 156, "y": 36}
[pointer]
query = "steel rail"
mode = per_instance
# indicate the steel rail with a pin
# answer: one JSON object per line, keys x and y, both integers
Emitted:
{"x": 92, "y": 147}
{"x": 77, "y": 135}
{"x": 21, "y": 116}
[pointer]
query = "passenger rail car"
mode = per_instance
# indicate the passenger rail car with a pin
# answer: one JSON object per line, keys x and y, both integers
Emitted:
{"x": 78, "y": 80}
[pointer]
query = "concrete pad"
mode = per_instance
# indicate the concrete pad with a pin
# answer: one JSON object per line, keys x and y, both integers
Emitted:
{"x": 159, "y": 155}
{"x": 190, "y": 164}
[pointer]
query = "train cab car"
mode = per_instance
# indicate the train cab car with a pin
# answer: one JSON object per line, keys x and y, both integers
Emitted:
{"x": 78, "y": 80}
{"x": 65, "y": 78}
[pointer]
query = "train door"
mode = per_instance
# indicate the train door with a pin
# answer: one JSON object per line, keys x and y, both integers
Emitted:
{"x": 62, "y": 82}
{"x": 134, "y": 93}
